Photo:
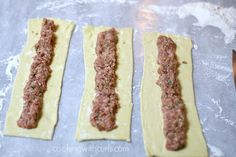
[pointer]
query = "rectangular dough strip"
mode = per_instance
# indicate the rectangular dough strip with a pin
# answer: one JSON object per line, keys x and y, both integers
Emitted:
{"x": 51, "y": 98}
{"x": 85, "y": 131}
{"x": 152, "y": 120}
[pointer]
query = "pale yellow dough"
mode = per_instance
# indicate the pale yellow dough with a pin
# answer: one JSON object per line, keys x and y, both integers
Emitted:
{"x": 85, "y": 131}
{"x": 151, "y": 113}
{"x": 48, "y": 119}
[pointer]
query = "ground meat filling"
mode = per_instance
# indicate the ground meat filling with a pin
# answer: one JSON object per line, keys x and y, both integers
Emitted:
{"x": 39, "y": 74}
{"x": 105, "y": 103}
{"x": 173, "y": 107}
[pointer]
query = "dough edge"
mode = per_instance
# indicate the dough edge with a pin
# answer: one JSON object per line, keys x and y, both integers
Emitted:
{"x": 152, "y": 124}
{"x": 48, "y": 120}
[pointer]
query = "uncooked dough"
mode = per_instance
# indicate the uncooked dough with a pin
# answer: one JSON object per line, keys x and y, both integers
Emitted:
{"x": 85, "y": 131}
{"x": 48, "y": 119}
{"x": 152, "y": 121}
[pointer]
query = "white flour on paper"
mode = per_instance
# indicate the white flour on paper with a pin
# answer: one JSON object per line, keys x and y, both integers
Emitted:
{"x": 220, "y": 72}
{"x": 215, "y": 151}
{"x": 220, "y": 116}
{"x": 60, "y": 4}
{"x": 216, "y": 67}
{"x": 216, "y": 107}
{"x": 10, "y": 64}
{"x": 207, "y": 14}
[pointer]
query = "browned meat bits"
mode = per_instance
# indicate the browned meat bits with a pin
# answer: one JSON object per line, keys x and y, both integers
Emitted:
{"x": 173, "y": 108}
{"x": 39, "y": 74}
{"x": 106, "y": 102}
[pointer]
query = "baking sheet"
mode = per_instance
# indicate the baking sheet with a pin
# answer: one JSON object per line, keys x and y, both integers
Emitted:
{"x": 211, "y": 25}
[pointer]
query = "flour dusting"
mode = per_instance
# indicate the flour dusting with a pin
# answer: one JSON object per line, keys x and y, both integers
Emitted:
{"x": 216, "y": 67}
{"x": 11, "y": 64}
{"x": 57, "y": 4}
{"x": 60, "y": 4}
{"x": 207, "y": 14}
{"x": 195, "y": 46}
{"x": 219, "y": 114}
{"x": 217, "y": 104}
{"x": 220, "y": 72}
{"x": 215, "y": 151}
{"x": 227, "y": 121}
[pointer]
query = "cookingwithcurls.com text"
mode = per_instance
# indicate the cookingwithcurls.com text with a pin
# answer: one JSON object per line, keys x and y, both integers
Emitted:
{"x": 91, "y": 148}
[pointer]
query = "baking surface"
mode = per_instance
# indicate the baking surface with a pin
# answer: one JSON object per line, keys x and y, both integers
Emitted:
{"x": 212, "y": 27}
